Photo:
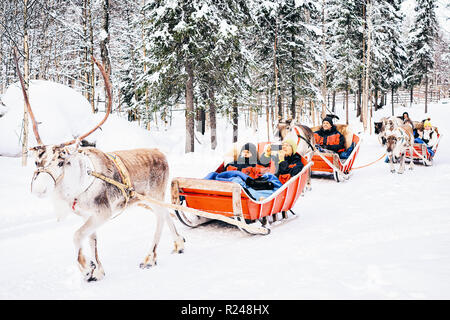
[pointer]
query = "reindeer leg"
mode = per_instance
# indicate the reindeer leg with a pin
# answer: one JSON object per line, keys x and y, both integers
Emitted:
{"x": 98, "y": 273}
{"x": 308, "y": 182}
{"x": 391, "y": 163}
{"x": 402, "y": 164}
{"x": 89, "y": 227}
{"x": 411, "y": 163}
{"x": 150, "y": 259}
{"x": 178, "y": 239}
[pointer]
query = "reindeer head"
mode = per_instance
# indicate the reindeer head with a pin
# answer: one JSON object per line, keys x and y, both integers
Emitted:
{"x": 53, "y": 160}
{"x": 378, "y": 127}
{"x": 391, "y": 143}
{"x": 282, "y": 129}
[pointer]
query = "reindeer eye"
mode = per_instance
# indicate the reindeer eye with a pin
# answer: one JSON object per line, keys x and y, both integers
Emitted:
{"x": 61, "y": 163}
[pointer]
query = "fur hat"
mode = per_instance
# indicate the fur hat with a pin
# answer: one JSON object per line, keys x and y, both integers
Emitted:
{"x": 292, "y": 143}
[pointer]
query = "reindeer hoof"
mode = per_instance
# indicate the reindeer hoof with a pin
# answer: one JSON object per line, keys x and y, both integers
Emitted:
{"x": 393, "y": 171}
{"x": 179, "y": 245}
{"x": 149, "y": 261}
{"x": 400, "y": 172}
{"x": 147, "y": 265}
{"x": 93, "y": 273}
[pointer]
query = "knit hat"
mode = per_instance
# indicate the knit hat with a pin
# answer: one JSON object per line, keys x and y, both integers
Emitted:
{"x": 253, "y": 158}
{"x": 328, "y": 119}
{"x": 292, "y": 143}
{"x": 427, "y": 123}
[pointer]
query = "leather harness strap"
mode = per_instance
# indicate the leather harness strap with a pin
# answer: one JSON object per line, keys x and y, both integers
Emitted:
{"x": 125, "y": 187}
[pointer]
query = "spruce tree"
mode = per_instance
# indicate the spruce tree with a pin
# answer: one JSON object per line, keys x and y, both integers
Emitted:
{"x": 421, "y": 44}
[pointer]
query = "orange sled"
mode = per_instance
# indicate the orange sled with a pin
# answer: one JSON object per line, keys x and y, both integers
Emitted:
{"x": 204, "y": 200}
{"x": 421, "y": 153}
{"x": 330, "y": 163}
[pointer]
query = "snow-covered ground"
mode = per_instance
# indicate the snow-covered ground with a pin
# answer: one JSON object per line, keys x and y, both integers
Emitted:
{"x": 376, "y": 236}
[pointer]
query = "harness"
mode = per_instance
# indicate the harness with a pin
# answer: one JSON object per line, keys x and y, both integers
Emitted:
{"x": 45, "y": 170}
{"x": 125, "y": 187}
{"x": 299, "y": 136}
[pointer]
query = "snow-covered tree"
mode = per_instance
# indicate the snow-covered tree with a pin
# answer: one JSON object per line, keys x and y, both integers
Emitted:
{"x": 185, "y": 39}
{"x": 344, "y": 34}
{"x": 286, "y": 42}
{"x": 421, "y": 44}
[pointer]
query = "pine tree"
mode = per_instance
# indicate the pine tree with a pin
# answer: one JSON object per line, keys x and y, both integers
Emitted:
{"x": 388, "y": 49}
{"x": 286, "y": 42}
{"x": 421, "y": 46}
{"x": 345, "y": 46}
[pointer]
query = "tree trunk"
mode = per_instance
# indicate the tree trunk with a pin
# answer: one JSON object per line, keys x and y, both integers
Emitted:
{"x": 426, "y": 90}
{"x": 91, "y": 51}
{"x": 333, "y": 109}
{"x": 26, "y": 78}
{"x": 346, "y": 104}
{"x": 411, "y": 96}
{"x": 392, "y": 100}
{"x": 294, "y": 99}
{"x": 235, "y": 119}
{"x": 365, "y": 110}
{"x": 212, "y": 118}
{"x": 104, "y": 42}
{"x": 189, "y": 147}
{"x": 268, "y": 117}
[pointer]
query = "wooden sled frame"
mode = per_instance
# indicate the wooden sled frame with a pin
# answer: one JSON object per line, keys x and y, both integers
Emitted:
{"x": 228, "y": 202}
{"x": 421, "y": 153}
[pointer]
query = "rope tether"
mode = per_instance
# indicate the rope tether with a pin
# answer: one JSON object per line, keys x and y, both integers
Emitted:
{"x": 354, "y": 168}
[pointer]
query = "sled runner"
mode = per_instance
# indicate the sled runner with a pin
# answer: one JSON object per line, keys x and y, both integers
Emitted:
{"x": 231, "y": 203}
{"x": 330, "y": 163}
{"x": 421, "y": 154}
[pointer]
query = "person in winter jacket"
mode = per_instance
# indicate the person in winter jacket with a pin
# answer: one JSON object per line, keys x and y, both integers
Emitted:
{"x": 247, "y": 162}
{"x": 287, "y": 161}
{"x": 328, "y": 137}
{"x": 407, "y": 120}
{"x": 427, "y": 136}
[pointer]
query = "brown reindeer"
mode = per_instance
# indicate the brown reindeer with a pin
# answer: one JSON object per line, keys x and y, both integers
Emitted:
{"x": 97, "y": 186}
{"x": 398, "y": 140}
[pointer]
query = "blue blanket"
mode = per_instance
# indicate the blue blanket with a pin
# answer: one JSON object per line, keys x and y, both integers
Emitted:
{"x": 430, "y": 150}
{"x": 241, "y": 178}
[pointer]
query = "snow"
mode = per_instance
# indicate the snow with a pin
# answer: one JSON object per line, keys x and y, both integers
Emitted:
{"x": 376, "y": 236}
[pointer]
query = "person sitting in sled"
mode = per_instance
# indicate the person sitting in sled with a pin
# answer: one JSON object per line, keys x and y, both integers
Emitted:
{"x": 407, "y": 120}
{"x": 247, "y": 162}
{"x": 427, "y": 136}
{"x": 287, "y": 161}
{"x": 329, "y": 138}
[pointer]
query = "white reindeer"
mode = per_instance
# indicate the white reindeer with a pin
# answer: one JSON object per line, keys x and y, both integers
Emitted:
{"x": 97, "y": 186}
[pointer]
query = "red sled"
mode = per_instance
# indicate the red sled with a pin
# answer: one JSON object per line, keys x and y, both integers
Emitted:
{"x": 330, "y": 163}
{"x": 206, "y": 200}
{"x": 421, "y": 154}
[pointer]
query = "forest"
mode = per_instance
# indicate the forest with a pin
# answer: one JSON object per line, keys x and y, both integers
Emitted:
{"x": 274, "y": 59}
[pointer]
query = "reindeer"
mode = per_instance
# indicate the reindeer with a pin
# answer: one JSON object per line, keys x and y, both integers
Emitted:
{"x": 98, "y": 186}
{"x": 398, "y": 140}
{"x": 386, "y": 124}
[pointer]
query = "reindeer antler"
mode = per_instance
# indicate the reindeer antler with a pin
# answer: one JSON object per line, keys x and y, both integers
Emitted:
{"x": 108, "y": 111}
{"x": 27, "y": 102}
